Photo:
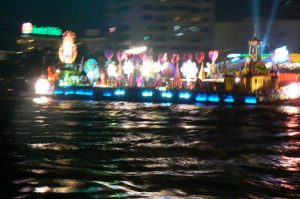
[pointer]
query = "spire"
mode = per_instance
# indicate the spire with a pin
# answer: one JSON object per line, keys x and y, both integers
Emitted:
{"x": 254, "y": 34}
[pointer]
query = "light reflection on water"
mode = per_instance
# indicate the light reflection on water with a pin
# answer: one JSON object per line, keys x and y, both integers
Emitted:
{"x": 91, "y": 149}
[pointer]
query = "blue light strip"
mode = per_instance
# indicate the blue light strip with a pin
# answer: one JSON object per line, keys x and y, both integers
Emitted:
{"x": 58, "y": 92}
{"x": 107, "y": 93}
{"x": 119, "y": 92}
{"x": 147, "y": 93}
{"x": 69, "y": 92}
{"x": 229, "y": 99}
{"x": 84, "y": 92}
{"x": 166, "y": 94}
{"x": 185, "y": 95}
{"x": 201, "y": 97}
{"x": 250, "y": 100}
{"x": 213, "y": 98}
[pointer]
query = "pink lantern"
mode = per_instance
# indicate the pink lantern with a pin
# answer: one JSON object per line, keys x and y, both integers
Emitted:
{"x": 199, "y": 56}
{"x": 213, "y": 55}
{"x": 144, "y": 56}
{"x": 165, "y": 57}
{"x": 109, "y": 54}
{"x": 120, "y": 56}
{"x": 190, "y": 56}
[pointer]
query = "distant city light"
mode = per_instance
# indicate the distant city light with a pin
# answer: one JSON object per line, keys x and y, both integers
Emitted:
{"x": 28, "y": 28}
{"x": 112, "y": 29}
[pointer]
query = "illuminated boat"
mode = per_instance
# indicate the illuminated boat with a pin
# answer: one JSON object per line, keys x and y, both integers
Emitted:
{"x": 163, "y": 80}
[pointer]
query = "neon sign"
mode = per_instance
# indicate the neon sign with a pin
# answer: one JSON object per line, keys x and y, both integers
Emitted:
{"x": 28, "y": 28}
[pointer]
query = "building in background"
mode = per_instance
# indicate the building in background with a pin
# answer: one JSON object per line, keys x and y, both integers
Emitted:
{"x": 161, "y": 25}
{"x": 39, "y": 38}
{"x": 93, "y": 42}
{"x": 233, "y": 36}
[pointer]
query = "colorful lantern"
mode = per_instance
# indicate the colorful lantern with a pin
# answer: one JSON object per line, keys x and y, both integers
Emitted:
{"x": 91, "y": 69}
{"x": 68, "y": 50}
{"x": 109, "y": 54}
{"x": 213, "y": 55}
{"x": 189, "y": 70}
{"x": 199, "y": 56}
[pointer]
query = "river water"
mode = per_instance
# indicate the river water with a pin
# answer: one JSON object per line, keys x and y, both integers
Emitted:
{"x": 88, "y": 149}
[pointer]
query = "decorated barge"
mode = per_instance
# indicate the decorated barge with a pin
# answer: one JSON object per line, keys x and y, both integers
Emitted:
{"x": 134, "y": 75}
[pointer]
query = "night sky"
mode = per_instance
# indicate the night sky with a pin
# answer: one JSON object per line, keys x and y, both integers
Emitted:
{"x": 78, "y": 15}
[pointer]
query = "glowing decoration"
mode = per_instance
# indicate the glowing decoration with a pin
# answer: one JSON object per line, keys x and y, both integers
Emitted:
{"x": 27, "y": 28}
{"x": 120, "y": 56}
{"x": 43, "y": 87}
{"x": 157, "y": 67}
{"x": 112, "y": 70}
{"x": 281, "y": 55}
{"x": 199, "y": 56}
{"x": 146, "y": 68}
{"x": 91, "y": 69}
{"x": 128, "y": 68}
{"x": 237, "y": 80}
{"x": 291, "y": 91}
{"x": 269, "y": 65}
{"x": 189, "y": 70}
{"x": 255, "y": 49}
{"x": 213, "y": 55}
{"x": 108, "y": 54}
{"x": 168, "y": 69}
{"x": 294, "y": 57}
{"x": 68, "y": 50}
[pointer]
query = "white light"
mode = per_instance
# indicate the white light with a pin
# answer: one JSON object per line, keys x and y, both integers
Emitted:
{"x": 269, "y": 65}
{"x": 42, "y": 87}
{"x": 128, "y": 68}
{"x": 157, "y": 67}
{"x": 237, "y": 80}
{"x": 137, "y": 50}
{"x": 189, "y": 70}
{"x": 146, "y": 68}
{"x": 57, "y": 71}
{"x": 112, "y": 70}
{"x": 281, "y": 55}
{"x": 292, "y": 91}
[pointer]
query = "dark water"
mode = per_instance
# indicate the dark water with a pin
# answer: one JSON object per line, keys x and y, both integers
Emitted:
{"x": 87, "y": 149}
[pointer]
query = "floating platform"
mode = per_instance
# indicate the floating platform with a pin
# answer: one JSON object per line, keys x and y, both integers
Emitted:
{"x": 151, "y": 95}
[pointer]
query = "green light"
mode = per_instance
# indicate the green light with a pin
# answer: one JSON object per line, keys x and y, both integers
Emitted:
{"x": 52, "y": 31}
{"x": 146, "y": 37}
{"x": 263, "y": 55}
